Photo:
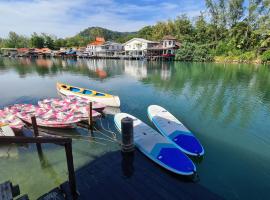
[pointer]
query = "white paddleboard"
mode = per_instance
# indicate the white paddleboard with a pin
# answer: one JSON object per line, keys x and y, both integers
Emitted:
{"x": 174, "y": 130}
{"x": 158, "y": 148}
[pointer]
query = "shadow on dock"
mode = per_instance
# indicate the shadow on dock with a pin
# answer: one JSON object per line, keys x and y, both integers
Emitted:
{"x": 113, "y": 176}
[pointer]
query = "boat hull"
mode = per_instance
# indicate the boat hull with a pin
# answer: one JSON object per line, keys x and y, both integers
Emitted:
{"x": 108, "y": 100}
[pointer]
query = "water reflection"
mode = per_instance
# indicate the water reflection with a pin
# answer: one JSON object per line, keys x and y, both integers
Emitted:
{"x": 226, "y": 106}
{"x": 225, "y": 92}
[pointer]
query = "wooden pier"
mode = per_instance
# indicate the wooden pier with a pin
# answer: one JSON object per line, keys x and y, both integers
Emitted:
{"x": 117, "y": 175}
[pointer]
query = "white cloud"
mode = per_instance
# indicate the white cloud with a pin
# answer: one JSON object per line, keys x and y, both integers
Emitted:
{"x": 67, "y": 17}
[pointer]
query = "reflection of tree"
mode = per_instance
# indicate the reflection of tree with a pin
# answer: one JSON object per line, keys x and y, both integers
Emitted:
{"x": 97, "y": 69}
{"x": 226, "y": 92}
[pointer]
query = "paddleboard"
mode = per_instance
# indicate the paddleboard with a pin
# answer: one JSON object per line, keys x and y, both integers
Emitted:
{"x": 158, "y": 148}
{"x": 174, "y": 130}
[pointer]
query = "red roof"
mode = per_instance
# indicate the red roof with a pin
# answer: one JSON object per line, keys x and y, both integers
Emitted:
{"x": 23, "y": 50}
{"x": 98, "y": 41}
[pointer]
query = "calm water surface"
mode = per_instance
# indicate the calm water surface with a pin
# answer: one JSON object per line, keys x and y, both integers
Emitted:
{"x": 226, "y": 106}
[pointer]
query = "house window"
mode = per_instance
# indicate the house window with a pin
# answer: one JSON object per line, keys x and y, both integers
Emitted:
{"x": 170, "y": 42}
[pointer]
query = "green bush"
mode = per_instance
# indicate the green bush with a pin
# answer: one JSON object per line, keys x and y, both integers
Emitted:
{"x": 248, "y": 56}
{"x": 193, "y": 52}
{"x": 186, "y": 52}
{"x": 222, "y": 48}
{"x": 202, "y": 54}
{"x": 265, "y": 56}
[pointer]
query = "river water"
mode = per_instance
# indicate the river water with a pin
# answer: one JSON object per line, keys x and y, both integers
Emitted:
{"x": 226, "y": 106}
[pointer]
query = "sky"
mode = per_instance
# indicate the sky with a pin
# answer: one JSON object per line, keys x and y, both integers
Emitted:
{"x": 65, "y": 18}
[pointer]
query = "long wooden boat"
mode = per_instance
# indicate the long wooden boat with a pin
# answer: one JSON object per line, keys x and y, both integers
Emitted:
{"x": 91, "y": 95}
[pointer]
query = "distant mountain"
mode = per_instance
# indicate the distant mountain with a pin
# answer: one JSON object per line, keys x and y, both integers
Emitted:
{"x": 92, "y": 32}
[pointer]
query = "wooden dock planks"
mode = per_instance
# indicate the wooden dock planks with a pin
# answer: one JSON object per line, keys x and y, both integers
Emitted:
{"x": 104, "y": 178}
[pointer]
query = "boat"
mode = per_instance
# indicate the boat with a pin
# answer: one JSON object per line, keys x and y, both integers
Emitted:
{"x": 158, "y": 148}
{"x": 5, "y": 130}
{"x": 9, "y": 119}
{"x": 174, "y": 130}
{"x": 48, "y": 117}
{"x": 7, "y": 151}
{"x": 91, "y": 95}
{"x": 71, "y": 103}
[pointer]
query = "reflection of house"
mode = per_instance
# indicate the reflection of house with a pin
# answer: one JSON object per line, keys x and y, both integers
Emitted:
{"x": 138, "y": 47}
{"x": 136, "y": 69}
{"x": 166, "y": 48}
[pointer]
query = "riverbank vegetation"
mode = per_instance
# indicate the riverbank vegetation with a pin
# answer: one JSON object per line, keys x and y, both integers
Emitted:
{"x": 228, "y": 31}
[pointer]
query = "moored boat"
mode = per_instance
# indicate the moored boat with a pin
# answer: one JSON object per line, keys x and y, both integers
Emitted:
{"x": 91, "y": 95}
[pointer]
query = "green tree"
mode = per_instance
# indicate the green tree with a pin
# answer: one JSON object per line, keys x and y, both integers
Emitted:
{"x": 48, "y": 41}
{"x": 236, "y": 11}
{"x": 36, "y": 41}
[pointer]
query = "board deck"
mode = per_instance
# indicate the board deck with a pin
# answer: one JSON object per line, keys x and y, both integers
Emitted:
{"x": 174, "y": 130}
{"x": 158, "y": 148}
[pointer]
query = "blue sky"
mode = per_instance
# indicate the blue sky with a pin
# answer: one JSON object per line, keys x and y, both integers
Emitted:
{"x": 65, "y": 18}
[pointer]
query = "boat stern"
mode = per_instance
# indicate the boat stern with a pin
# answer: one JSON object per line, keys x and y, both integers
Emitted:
{"x": 117, "y": 101}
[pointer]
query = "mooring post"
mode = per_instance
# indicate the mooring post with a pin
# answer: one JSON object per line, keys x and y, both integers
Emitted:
{"x": 35, "y": 127}
{"x": 127, "y": 134}
{"x": 90, "y": 120}
{"x": 36, "y": 134}
{"x": 71, "y": 172}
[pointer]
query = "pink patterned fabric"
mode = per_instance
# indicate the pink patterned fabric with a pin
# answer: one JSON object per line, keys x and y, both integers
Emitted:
{"x": 70, "y": 102}
{"x": 50, "y": 112}
{"x": 44, "y": 117}
{"x": 78, "y": 106}
{"x": 8, "y": 118}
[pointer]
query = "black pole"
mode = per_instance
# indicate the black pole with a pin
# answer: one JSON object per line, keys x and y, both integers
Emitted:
{"x": 90, "y": 120}
{"x": 36, "y": 134}
{"x": 127, "y": 134}
{"x": 34, "y": 124}
{"x": 71, "y": 172}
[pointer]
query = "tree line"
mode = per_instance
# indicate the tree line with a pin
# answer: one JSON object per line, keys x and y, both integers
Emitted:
{"x": 233, "y": 29}
{"x": 228, "y": 29}
{"x": 15, "y": 40}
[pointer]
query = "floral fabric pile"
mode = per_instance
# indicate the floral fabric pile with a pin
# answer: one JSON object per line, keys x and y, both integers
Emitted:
{"x": 50, "y": 113}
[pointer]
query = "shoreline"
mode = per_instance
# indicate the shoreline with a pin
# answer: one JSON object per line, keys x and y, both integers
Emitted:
{"x": 217, "y": 59}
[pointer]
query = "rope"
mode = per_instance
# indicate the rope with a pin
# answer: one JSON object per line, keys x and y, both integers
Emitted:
{"x": 113, "y": 134}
